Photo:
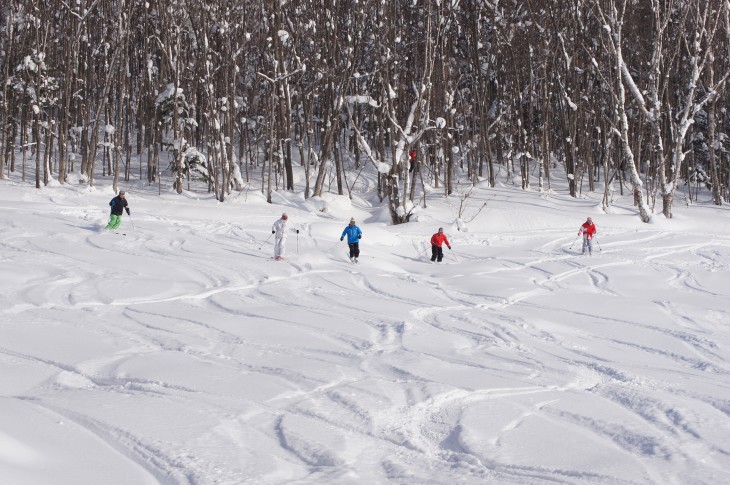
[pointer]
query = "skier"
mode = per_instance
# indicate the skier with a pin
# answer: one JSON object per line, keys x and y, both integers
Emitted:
{"x": 279, "y": 229}
{"x": 118, "y": 204}
{"x": 588, "y": 230}
{"x": 354, "y": 234}
{"x": 437, "y": 240}
{"x": 412, "y": 155}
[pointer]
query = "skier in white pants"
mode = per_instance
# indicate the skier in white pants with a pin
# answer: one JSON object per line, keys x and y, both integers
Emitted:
{"x": 279, "y": 229}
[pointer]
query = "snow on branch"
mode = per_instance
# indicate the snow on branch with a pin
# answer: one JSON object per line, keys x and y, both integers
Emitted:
{"x": 362, "y": 100}
{"x": 629, "y": 80}
{"x": 379, "y": 166}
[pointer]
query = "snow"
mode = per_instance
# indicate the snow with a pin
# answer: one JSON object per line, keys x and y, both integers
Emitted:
{"x": 182, "y": 354}
{"x": 28, "y": 64}
{"x": 572, "y": 105}
{"x": 362, "y": 100}
{"x": 167, "y": 94}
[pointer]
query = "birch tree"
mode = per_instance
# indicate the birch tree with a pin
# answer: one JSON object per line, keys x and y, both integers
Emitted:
{"x": 612, "y": 19}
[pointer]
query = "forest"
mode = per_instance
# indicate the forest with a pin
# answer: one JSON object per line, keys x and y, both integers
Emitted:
{"x": 218, "y": 95}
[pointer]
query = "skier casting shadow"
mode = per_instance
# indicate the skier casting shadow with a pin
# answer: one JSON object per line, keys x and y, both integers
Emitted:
{"x": 587, "y": 230}
{"x": 280, "y": 229}
{"x": 354, "y": 234}
{"x": 118, "y": 204}
{"x": 437, "y": 241}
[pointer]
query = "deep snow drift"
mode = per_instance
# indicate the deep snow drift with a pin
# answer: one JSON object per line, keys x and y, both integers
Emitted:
{"x": 180, "y": 353}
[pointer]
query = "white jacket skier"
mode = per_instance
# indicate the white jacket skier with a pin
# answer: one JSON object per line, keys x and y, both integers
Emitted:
{"x": 279, "y": 229}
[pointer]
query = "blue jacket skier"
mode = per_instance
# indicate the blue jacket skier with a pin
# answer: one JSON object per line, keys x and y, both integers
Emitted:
{"x": 354, "y": 234}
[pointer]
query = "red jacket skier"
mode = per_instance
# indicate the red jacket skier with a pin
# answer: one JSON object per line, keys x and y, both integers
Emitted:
{"x": 437, "y": 240}
{"x": 588, "y": 230}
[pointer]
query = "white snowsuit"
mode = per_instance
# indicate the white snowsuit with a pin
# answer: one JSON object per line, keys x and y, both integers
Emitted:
{"x": 279, "y": 229}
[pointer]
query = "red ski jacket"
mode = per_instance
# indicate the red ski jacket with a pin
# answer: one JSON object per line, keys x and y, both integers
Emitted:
{"x": 439, "y": 238}
{"x": 587, "y": 229}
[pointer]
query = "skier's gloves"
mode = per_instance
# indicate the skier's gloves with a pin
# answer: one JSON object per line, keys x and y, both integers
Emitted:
{"x": 297, "y": 231}
{"x": 127, "y": 209}
{"x": 449, "y": 247}
{"x": 341, "y": 239}
{"x": 273, "y": 232}
{"x": 359, "y": 236}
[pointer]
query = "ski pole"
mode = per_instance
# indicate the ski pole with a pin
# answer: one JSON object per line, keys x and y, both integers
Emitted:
{"x": 131, "y": 220}
{"x": 422, "y": 251}
{"x": 599, "y": 245}
{"x": 456, "y": 258}
{"x": 267, "y": 240}
{"x": 576, "y": 238}
{"x": 297, "y": 241}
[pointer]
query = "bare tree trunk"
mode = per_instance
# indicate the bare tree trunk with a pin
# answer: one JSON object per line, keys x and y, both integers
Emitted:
{"x": 272, "y": 143}
{"x": 5, "y": 127}
{"x": 711, "y": 140}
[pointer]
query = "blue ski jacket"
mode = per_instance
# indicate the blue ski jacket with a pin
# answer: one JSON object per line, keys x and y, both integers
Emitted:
{"x": 353, "y": 234}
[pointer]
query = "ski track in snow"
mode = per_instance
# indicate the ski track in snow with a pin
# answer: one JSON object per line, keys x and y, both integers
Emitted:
{"x": 347, "y": 374}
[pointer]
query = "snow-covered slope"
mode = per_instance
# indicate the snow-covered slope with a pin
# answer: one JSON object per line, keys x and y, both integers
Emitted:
{"x": 180, "y": 353}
